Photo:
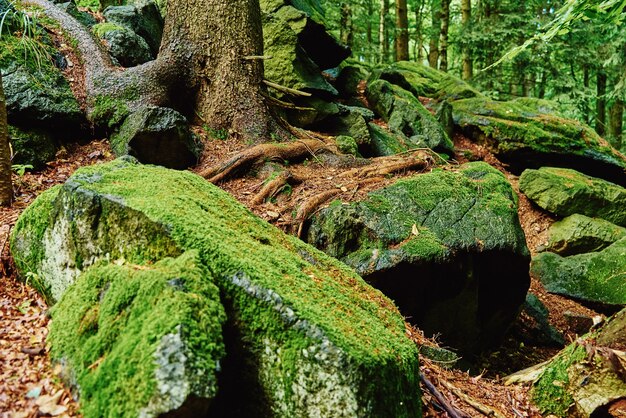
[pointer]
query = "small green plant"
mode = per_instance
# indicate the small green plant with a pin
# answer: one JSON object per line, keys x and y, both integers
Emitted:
{"x": 14, "y": 22}
{"x": 20, "y": 169}
{"x": 221, "y": 134}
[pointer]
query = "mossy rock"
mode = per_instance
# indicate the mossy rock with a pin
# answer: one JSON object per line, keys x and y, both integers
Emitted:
{"x": 524, "y": 137}
{"x": 579, "y": 234}
{"x": 598, "y": 278}
{"x": 446, "y": 246}
{"x": 384, "y": 143}
{"x": 157, "y": 135}
{"x": 126, "y": 47}
{"x": 583, "y": 378}
{"x": 349, "y": 79}
{"x": 37, "y": 94}
{"x": 347, "y": 145}
{"x": 406, "y": 116}
{"x": 565, "y": 192}
{"x": 141, "y": 17}
{"x": 141, "y": 340}
{"x": 31, "y": 146}
{"x": 424, "y": 81}
{"x": 348, "y": 122}
{"x": 83, "y": 17}
{"x": 305, "y": 334}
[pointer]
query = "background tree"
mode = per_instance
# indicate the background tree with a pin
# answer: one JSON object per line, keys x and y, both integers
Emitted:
{"x": 6, "y": 188}
{"x": 402, "y": 31}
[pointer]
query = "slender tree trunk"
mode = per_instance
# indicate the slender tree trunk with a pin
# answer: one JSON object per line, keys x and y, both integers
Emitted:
{"x": 616, "y": 124}
{"x": 433, "y": 46}
{"x": 542, "y": 84}
{"x": 346, "y": 33}
{"x": 369, "y": 34}
{"x": 402, "y": 31}
{"x": 383, "y": 35}
{"x": 601, "y": 103}
{"x": 213, "y": 39}
{"x": 466, "y": 19}
{"x": 443, "y": 41}
{"x": 419, "y": 36}
{"x": 6, "y": 188}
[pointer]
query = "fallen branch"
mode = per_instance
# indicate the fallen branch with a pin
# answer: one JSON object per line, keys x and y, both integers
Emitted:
{"x": 445, "y": 403}
{"x": 287, "y": 90}
{"x": 482, "y": 408}
{"x": 292, "y": 151}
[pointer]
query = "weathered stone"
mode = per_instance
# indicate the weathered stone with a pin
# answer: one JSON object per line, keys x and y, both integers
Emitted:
{"x": 347, "y": 145}
{"x": 525, "y": 138}
{"x": 349, "y": 79}
{"x": 37, "y": 94}
{"x": 423, "y": 81}
{"x": 446, "y": 246}
{"x": 578, "y": 234}
{"x": 141, "y": 341}
{"x": 584, "y": 377}
{"x": 406, "y": 116}
{"x": 348, "y": 122}
{"x": 124, "y": 45}
{"x": 157, "y": 135}
{"x": 384, "y": 143}
{"x": 305, "y": 335}
{"x": 599, "y": 277}
{"x": 31, "y": 146}
{"x": 565, "y": 192}
{"x": 142, "y": 17}
{"x": 544, "y": 332}
{"x": 577, "y": 322}
{"x": 83, "y": 17}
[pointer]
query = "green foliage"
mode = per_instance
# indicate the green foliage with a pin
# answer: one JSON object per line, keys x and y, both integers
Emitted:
{"x": 20, "y": 169}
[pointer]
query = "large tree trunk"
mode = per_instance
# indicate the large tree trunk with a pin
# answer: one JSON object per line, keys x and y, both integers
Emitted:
{"x": 217, "y": 40}
{"x": 435, "y": 31}
{"x": 383, "y": 31}
{"x": 402, "y": 31}
{"x": 6, "y": 189}
{"x": 443, "y": 42}
{"x": 466, "y": 17}
{"x": 601, "y": 103}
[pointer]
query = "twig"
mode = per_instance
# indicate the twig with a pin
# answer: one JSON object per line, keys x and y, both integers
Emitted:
{"x": 258, "y": 57}
{"x": 482, "y": 408}
{"x": 286, "y": 105}
{"x": 445, "y": 404}
{"x": 287, "y": 90}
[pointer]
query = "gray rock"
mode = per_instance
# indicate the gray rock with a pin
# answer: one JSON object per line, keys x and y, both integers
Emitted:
{"x": 125, "y": 46}
{"x": 157, "y": 135}
{"x": 446, "y": 246}
{"x": 143, "y": 18}
{"x": 83, "y": 17}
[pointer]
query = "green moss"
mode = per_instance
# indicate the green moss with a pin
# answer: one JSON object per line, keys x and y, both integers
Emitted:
{"x": 102, "y": 29}
{"x": 93, "y": 5}
{"x": 550, "y": 392}
{"x": 109, "y": 111}
{"x": 113, "y": 326}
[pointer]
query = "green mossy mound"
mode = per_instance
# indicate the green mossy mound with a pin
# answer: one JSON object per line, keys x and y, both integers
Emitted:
{"x": 579, "y": 234}
{"x": 423, "y": 81}
{"x": 308, "y": 336}
{"x": 584, "y": 377}
{"x": 407, "y": 118}
{"x": 524, "y": 137}
{"x": 565, "y": 192}
{"x": 141, "y": 340}
{"x": 446, "y": 246}
{"x": 599, "y": 277}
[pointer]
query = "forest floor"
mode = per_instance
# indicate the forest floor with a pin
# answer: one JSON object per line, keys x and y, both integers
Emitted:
{"x": 29, "y": 386}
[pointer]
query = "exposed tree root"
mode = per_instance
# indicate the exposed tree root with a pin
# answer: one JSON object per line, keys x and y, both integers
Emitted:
{"x": 483, "y": 409}
{"x": 311, "y": 205}
{"x": 272, "y": 187}
{"x": 383, "y": 166}
{"x": 443, "y": 402}
{"x": 293, "y": 152}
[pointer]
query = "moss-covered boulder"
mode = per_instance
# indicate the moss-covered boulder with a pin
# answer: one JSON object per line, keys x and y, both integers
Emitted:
{"x": 142, "y": 17}
{"x": 37, "y": 94}
{"x": 157, "y": 135}
{"x": 31, "y": 146}
{"x": 305, "y": 335}
{"x": 141, "y": 340}
{"x": 446, "y": 246}
{"x": 424, "y": 81}
{"x": 524, "y": 137}
{"x": 126, "y": 47}
{"x": 599, "y": 277}
{"x": 579, "y": 234}
{"x": 566, "y": 192}
{"x": 407, "y": 117}
{"x": 83, "y": 17}
{"x": 585, "y": 377}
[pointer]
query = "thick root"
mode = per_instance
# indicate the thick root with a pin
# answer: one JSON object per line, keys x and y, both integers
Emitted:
{"x": 311, "y": 205}
{"x": 274, "y": 186}
{"x": 294, "y": 151}
{"x": 383, "y": 166}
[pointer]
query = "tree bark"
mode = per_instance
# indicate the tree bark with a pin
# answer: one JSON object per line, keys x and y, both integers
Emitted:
{"x": 443, "y": 41}
{"x": 6, "y": 188}
{"x": 616, "y": 125}
{"x": 383, "y": 32}
{"x": 402, "y": 31}
{"x": 346, "y": 34}
{"x": 433, "y": 47}
{"x": 419, "y": 36}
{"x": 466, "y": 18}
{"x": 213, "y": 37}
{"x": 601, "y": 103}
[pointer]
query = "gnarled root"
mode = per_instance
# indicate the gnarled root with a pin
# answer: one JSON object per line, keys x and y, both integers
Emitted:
{"x": 311, "y": 205}
{"x": 293, "y": 151}
{"x": 272, "y": 187}
{"x": 383, "y": 166}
